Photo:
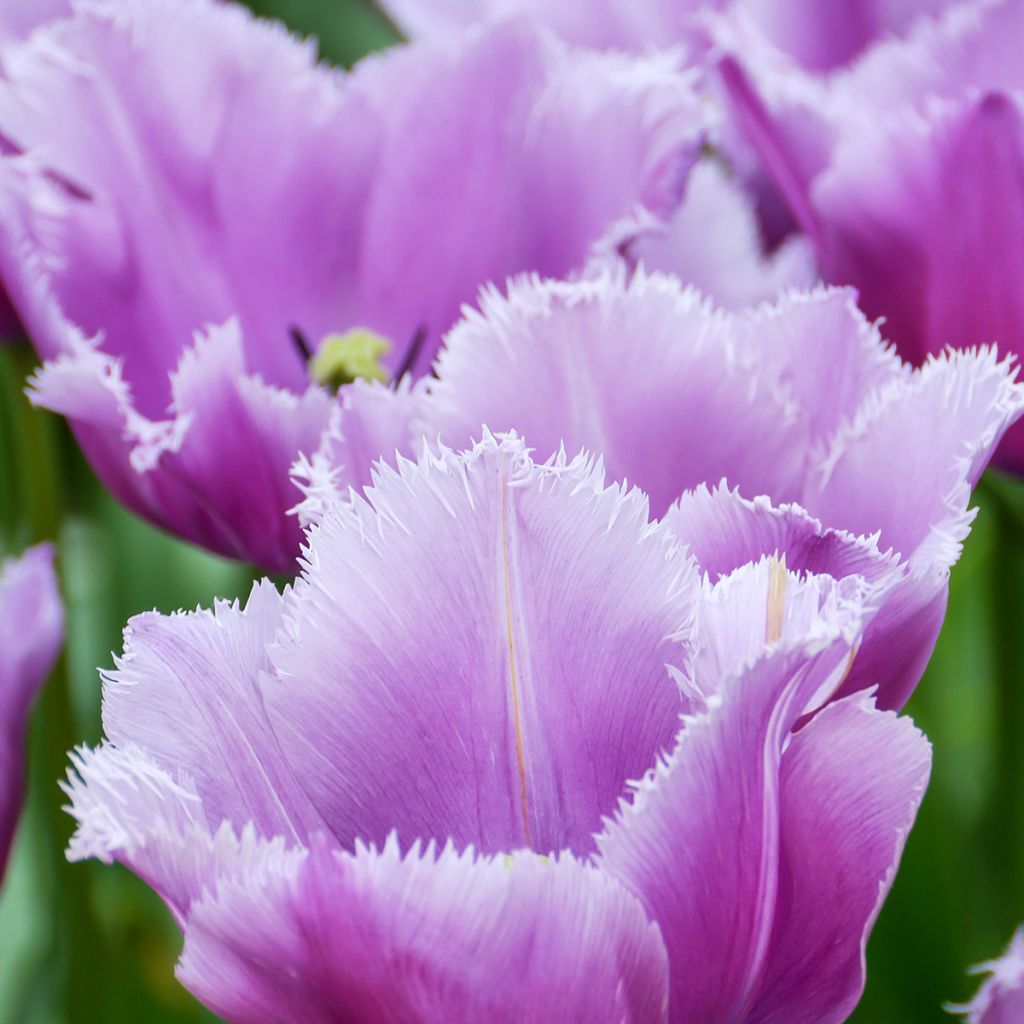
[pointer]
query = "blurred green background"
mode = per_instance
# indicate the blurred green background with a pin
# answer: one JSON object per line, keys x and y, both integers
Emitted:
{"x": 90, "y": 943}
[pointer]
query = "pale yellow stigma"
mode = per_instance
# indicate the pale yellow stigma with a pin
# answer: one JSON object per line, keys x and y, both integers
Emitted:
{"x": 776, "y": 599}
{"x": 343, "y": 358}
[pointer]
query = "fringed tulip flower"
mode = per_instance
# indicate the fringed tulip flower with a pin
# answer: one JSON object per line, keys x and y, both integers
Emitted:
{"x": 499, "y": 755}
{"x": 205, "y": 233}
{"x": 907, "y": 173}
{"x": 1000, "y": 1000}
{"x": 31, "y": 634}
{"x": 801, "y": 402}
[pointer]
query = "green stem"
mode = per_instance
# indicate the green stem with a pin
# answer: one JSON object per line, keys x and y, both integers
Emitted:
{"x": 41, "y": 453}
{"x": 1003, "y": 498}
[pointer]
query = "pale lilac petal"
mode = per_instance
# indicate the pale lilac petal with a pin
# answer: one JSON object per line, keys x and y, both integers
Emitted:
{"x": 369, "y": 423}
{"x": 743, "y": 614}
{"x": 495, "y": 664}
{"x": 850, "y": 785}
{"x": 31, "y": 634}
{"x": 174, "y": 213}
{"x": 824, "y": 353}
{"x": 670, "y": 391}
{"x": 186, "y": 692}
{"x": 701, "y": 841}
{"x": 128, "y": 809}
{"x": 216, "y": 470}
{"x": 969, "y": 48}
{"x": 801, "y": 401}
{"x": 906, "y": 173}
{"x": 507, "y": 151}
{"x": 318, "y": 220}
{"x": 635, "y": 368}
{"x": 713, "y": 243}
{"x": 724, "y": 531}
{"x": 933, "y": 435}
{"x": 430, "y": 937}
{"x": 1000, "y": 1000}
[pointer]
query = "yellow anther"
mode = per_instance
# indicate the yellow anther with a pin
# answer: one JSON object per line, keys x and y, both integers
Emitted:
{"x": 343, "y": 358}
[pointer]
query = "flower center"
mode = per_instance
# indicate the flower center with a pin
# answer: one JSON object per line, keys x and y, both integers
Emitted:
{"x": 356, "y": 354}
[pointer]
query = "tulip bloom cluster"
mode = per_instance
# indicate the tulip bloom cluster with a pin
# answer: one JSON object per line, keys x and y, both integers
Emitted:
{"x": 584, "y": 702}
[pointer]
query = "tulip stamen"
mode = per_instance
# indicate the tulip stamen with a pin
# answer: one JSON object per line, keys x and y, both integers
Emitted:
{"x": 301, "y": 344}
{"x": 412, "y": 353}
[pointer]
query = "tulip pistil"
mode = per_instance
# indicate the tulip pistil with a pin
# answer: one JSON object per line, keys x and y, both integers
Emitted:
{"x": 344, "y": 358}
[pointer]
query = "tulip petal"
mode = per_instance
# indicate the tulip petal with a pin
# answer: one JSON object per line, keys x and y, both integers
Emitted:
{"x": 128, "y": 809}
{"x": 638, "y": 369}
{"x": 700, "y": 841}
{"x": 186, "y": 692}
{"x": 430, "y": 937}
{"x": 712, "y": 242}
{"x": 763, "y": 603}
{"x": 370, "y": 422}
{"x": 724, "y": 531}
{"x": 239, "y": 440}
{"x": 933, "y": 435}
{"x": 31, "y": 634}
{"x": 546, "y": 603}
{"x": 672, "y": 392}
{"x": 850, "y": 785}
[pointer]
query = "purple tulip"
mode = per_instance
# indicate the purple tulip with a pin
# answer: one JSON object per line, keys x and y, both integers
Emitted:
{"x": 31, "y": 635}
{"x": 1001, "y": 999}
{"x": 197, "y": 205}
{"x": 907, "y": 172}
{"x": 499, "y": 755}
{"x": 801, "y": 402}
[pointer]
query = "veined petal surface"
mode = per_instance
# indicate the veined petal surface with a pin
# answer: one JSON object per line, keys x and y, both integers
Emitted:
{"x": 496, "y": 662}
